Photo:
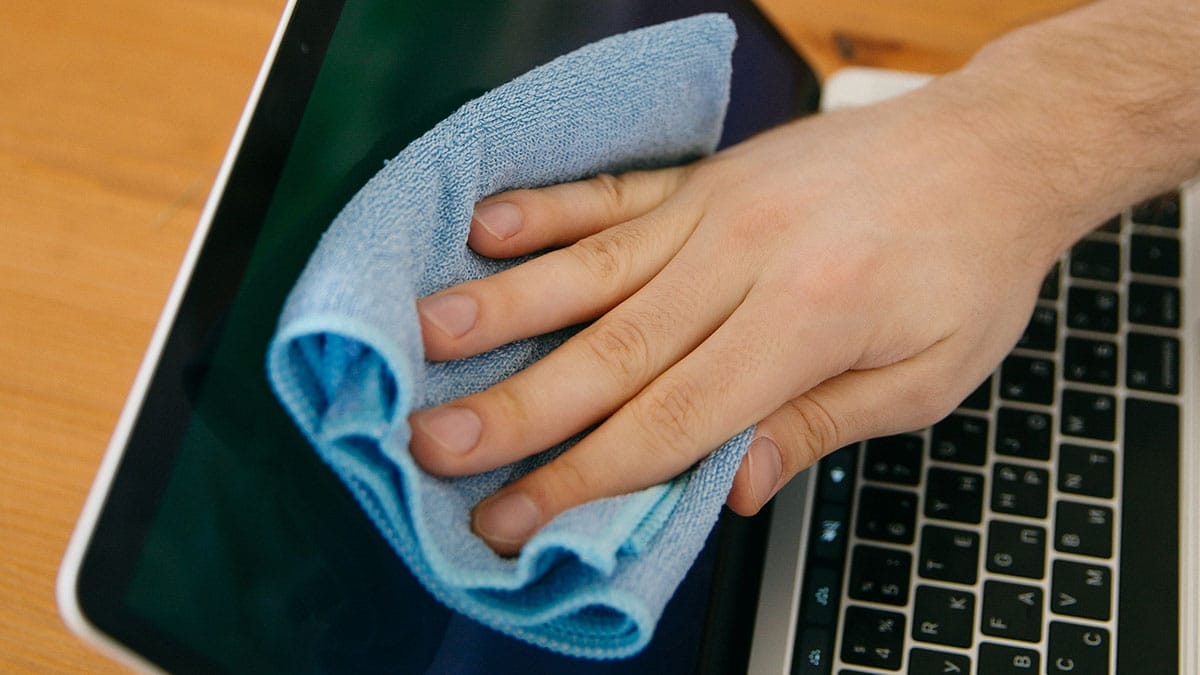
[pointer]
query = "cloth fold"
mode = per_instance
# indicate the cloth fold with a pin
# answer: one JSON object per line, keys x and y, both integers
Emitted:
{"x": 347, "y": 360}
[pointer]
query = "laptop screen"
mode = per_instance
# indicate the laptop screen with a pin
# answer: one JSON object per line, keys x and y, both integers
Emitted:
{"x": 225, "y": 543}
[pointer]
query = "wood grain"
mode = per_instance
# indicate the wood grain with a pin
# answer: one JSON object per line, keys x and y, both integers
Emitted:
{"x": 927, "y": 36}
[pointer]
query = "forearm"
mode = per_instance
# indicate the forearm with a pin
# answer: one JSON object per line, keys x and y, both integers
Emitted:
{"x": 1100, "y": 106}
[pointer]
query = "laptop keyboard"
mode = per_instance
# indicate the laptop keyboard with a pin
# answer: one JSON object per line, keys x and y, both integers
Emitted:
{"x": 990, "y": 542}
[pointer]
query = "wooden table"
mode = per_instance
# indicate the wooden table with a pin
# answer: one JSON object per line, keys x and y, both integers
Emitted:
{"x": 114, "y": 117}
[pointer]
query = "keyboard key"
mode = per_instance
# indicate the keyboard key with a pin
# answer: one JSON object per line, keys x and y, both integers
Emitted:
{"x": 1093, "y": 309}
{"x": 880, "y": 575}
{"x": 1090, "y": 361}
{"x": 837, "y": 475}
{"x": 1012, "y": 611}
{"x": 1082, "y": 590}
{"x": 1027, "y": 379}
{"x": 874, "y": 638}
{"x": 1083, "y": 528}
{"x": 830, "y": 532}
{"x": 954, "y": 495}
{"x": 814, "y": 651}
{"x": 926, "y": 661}
{"x": 1023, "y": 433}
{"x": 1077, "y": 649}
{"x": 1085, "y": 471}
{"x": 1016, "y": 549}
{"x": 1020, "y": 490}
{"x": 1154, "y": 255}
{"x": 886, "y": 515}
{"x": 1154, "y": 305}
{"x": 1049, "y": 289}
{"x": 822, "y": 586}
{"x": 1089, "y": 415}
{"x": 1042, "y": 331}
{"x": 1152, "y": 363}
{"x": 997, "y": 659}
{"x": 894, "y": 459}
{"x": 960, "y": 438}
{"x": 948, "y": 554}
{"x": 1162, "y": 210}
{"x": 943, "y": 616}
{"x": 1093, "y": 259}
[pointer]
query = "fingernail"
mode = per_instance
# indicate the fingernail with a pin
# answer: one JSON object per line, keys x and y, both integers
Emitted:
{"x": 508, "y": 518}
{"x": 457, "y": 430}
{"x": 454, "y": 313}
{"x": 765, "y": 469}
{"x": 501, "y": 219}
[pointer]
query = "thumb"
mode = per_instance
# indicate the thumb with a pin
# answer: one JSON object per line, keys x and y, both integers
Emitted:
{"x": 853, "y": 406}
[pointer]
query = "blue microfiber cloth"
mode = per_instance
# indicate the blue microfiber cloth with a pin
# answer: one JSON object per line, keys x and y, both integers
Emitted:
{"x": 347, "y": 359}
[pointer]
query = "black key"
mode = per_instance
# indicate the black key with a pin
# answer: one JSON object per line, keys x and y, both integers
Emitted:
{"x": 814, "y": 651}
{"x": 1092, "y": 309}
{"x": 1023, "y": 433}
{"x": 829, "y": 532}
{"x": 1012, "y": 611}
{"x": 1090, "y": 361}
{"x": 873, "y": 637}
{"x": 1112, "y": 225}
{"x": 1089, "y": 415}
{"x": 1099, "y": 260}
{"x": 943, "y": 616}
{"x": 1154, "y": 305}
{"x": 960, "y": 438}
{"x": 1016, "y": 549}
{"x": 1150, "y": 537}
{"x": 928, "y": 661}
{"x": 1027, "y": 379}
{"x": 822, "y": 586}
{"x": 948, "y": 554}
{"x": 1082, "y": 590}
{"x": 1085, "y": 471}
{"x": 1152, "y": 363}
{"x": 1042, "y": 331}
{"x": 1083, "y": 528}
{"x": 837, "y": 475}
{"x": 895, "y": 459}
{"x": 1020, "y": 490}
{"x": 886, "y": 515}
{"x": 880, "y": 575}
{"x": 1077, "y": 649}
{"x": 1162, "y": 210}
{"x": 1154, "y": 255}
{"x": 954, "y": 495}
{"x": 1049, "y": 290}
{"x": 997, "y": 659}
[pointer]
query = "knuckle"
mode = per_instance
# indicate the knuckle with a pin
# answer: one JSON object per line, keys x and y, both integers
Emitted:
{"x": 669, "y": 416}
{"x": 815, "y": 432}
{"x": 563, "y": 483}
{"x": 602, "y": 257}
{"x": 613, "y": 192}
{"x": 621, "y": 345}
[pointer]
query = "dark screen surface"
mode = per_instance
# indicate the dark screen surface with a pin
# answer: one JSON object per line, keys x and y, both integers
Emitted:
{"x": 225, "y": 544}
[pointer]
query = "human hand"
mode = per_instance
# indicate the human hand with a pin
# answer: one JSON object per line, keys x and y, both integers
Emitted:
{"x": 843, "y": 277}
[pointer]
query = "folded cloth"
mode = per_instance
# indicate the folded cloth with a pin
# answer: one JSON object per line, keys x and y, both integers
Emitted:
{"x": 347, "y": 359}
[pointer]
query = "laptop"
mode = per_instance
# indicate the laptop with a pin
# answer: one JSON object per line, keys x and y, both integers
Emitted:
{"x": 1048, "y": 525}
{"x": 214, "y": 539}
